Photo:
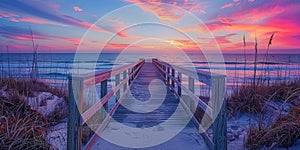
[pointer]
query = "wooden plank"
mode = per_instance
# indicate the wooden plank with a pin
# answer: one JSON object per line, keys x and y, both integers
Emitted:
{"x": 74, "y": 120}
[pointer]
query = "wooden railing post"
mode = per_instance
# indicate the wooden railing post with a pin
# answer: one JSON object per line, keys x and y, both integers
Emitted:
{"x": 75, "y": 108}
{"x": 192, "y": 89}
{"x": 173, "y": 75}
{"x": 129, "y": 71}
{"x": 168, "y": 73}
{"x": 117, "y": 81}
{"x": 220, "y": 123}
{"x": 124, "y": 77}
{"x": 179, "y": 86}
{"x": 104, "y": 108}
{"x": 191, "y": 84}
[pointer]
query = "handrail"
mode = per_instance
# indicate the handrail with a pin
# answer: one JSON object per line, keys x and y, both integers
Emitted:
{"x": 78, "y": 83}
{"x": 215, "y": 111}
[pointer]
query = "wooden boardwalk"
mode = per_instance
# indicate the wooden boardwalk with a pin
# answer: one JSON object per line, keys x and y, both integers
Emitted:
{"x": 154, "y": 109}
{"x": 140, "y": 98}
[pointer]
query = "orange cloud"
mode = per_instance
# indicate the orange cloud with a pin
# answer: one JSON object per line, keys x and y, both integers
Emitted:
{"x": 184, "y": 44}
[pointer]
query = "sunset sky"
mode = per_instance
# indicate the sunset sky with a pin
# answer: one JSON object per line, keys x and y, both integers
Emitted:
{"x": 60, "y": 25}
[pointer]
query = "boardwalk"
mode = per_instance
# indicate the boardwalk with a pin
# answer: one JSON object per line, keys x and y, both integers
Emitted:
{"x": 188, "y": 138}
{"x": 153, "y": 110}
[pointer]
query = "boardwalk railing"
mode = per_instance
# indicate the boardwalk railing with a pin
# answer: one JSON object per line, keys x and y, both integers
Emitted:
{"x": 214, "y": 111}
{"x": 77, "y": 84}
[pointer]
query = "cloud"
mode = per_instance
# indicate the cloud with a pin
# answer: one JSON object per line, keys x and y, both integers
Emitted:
{"x": 262, "y": 19}
{"x": 45, "y": 13}
{"x": 163, "y": 12}
{"x": 16, "y": 18}
{"x": 22, "y": 34}
{"x": 7, "y": 14}
{"x": 77, "y": 9}
{"x": 115, "y": 25}
{"x": 17, "y": 33}
{"x": 227, "y": 5}
{"x": 184, "y": 44}
{"x": 116, "y": 46}
{"x": 167, "y": 13}
{"x": 224, "y": 39}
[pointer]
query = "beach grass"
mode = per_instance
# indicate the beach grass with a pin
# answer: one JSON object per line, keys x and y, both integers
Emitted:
{"x": 28, "y": 86}
{"x": 252, "y": 99}
{"x": 283, "y": 132}
{"x": 20, "y": 126}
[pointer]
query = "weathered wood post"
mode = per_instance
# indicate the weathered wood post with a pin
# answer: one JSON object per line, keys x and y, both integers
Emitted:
{"x": 219, "y": 103}
{"x": 129, "y": 71}
{"x": 104, "y": 108}
{"x": 173, "y": 75}
{"x": 179, "y": 86}
{"x": 75, "y": 107}
{"x": 117, "y": 81}
{"x": 168, "y": 73}
{"x": 191, "y": 84}
{"x": 192, "y": 89}
{"x": 124, "y": 77}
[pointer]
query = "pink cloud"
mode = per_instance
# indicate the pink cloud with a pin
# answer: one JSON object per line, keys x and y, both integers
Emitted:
{"x": 225, "y": 38}
{"x": 280, "y": 19}
{"x": 163, "y": 12}
{"x": 202, "y": 11}
{"x": 227, "y": 5}
{"x": 74, "y": 41}
{"x": 123, "y": 35}
{"x": 167, "y": 13}
{"x": 7, "y": 14}
{"x": 35, "y": 20}
{"x": 77, "y": 9}
{"x": 116, "y": 46}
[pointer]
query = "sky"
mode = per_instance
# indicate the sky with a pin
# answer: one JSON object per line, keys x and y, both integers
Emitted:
{"x": 156, "y": 25}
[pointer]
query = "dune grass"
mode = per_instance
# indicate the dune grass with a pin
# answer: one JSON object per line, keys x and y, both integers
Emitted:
{"x": 252, "y": 99}
{"x": 20, "y": 126}
{"x": 283, "y": 132}
{"x": 28, "y": 86}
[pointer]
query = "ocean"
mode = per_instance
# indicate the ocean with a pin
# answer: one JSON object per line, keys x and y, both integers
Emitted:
{"x": 55, "y": 67}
